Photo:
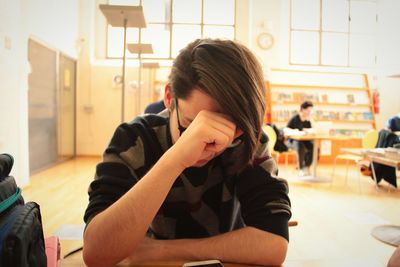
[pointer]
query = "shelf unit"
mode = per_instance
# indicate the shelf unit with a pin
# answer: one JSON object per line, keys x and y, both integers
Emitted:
{"x": 344, "y": 100}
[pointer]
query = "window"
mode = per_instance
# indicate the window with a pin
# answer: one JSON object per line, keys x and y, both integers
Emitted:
{"x": 172, "y": 24}
{"x": 340, "y": 33}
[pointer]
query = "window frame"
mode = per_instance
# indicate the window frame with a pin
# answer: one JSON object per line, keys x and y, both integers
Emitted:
{"x": 170, "y": 23}
{"x": 349, "y": 34}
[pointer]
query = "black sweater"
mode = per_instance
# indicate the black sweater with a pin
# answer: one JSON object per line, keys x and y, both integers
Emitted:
{"x": 203, "y": 201}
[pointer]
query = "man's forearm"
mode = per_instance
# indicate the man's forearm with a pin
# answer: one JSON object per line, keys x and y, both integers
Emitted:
{"x": 247, "y": 245}
{"x": 113, "y": 234}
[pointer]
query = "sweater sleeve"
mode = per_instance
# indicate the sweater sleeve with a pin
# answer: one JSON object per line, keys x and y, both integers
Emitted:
{"x": 264, "y": 198}
{"x": 117, "y": 172}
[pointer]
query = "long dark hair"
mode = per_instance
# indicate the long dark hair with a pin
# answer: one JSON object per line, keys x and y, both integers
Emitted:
{"x": 230, "y": 73}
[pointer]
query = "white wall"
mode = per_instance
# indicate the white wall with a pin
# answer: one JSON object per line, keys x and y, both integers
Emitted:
{"x": 54, "y": 23}
{"x": 13, "y": 89}
{"x": 388, "y": 59}
{"x": 266, "y": 16}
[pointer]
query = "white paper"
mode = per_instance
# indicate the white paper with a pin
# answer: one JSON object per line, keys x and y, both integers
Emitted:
{"x": 326, "y": 147}
{"x": 70, "y": 232}
{"x": 366, "y": 218}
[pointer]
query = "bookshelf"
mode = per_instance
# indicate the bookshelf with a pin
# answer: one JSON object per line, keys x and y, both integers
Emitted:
{"x": 340, "y": 98}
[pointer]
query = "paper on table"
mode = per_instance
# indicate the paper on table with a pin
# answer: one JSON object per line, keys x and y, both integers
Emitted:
{"x": 326, "y": 147}
{"x": 70, "y": 232}
{"x": 365, "y": 218}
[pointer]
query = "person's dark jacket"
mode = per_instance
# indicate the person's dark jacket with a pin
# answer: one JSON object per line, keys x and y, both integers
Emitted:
{"x": 386, "y": 139}
{"x": 155, "y": 108}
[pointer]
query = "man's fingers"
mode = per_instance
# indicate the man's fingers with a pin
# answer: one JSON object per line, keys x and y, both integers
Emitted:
{"x": 217, "y": 118}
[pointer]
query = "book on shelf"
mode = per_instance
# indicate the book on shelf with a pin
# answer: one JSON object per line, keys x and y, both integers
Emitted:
{"x": 350, "y": 98}
{"x": 324, "y": 98}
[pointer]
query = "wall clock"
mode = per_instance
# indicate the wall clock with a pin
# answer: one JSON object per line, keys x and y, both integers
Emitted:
{"x": 265, "y": 40}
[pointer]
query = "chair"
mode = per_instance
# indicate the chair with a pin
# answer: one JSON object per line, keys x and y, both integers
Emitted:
{"x": 271, "y": 137}
{"x": 270, "y": 132}
{"x": 368, "y": 142}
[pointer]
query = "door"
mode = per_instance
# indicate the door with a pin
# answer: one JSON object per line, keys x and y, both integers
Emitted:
{"x": 66, "y": 121}
{"x": 42, "y": 106}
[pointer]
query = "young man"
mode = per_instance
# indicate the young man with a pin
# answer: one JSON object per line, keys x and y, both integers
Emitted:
{"x": 193, "y": 182}
{"x": 393, "y": 123}
{"x": 155, "y": 107}
{"x": 302, "y": 122}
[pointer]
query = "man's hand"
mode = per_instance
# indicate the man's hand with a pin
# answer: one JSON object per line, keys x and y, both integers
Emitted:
{"x": 208, "y": 135}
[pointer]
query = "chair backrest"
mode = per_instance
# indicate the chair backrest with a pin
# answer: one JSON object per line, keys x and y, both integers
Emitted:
{"x": 270, "y": 132}
{"x": 370, "y": 139}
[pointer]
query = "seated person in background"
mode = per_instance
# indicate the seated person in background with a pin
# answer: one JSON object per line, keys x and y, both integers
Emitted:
{"x": 194, "y": 181}
{"x": 301, "y": 122}
{"x": 155, "y": 107}
{"x": 393, "y": 124}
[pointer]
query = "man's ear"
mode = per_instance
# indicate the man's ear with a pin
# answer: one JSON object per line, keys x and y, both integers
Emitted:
{"x": 167, "y": 97}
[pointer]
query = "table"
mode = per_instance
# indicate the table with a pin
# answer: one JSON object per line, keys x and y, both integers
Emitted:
{"x": 317, "y": 139}
{"x": 375, "y": 155}
{"x": 78, "y": 262}
{"x": 378, "y": 155}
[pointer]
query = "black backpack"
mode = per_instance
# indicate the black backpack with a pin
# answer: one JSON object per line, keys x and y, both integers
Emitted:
{"x": 280, "y": 145}
{"x": 21, "y": 233}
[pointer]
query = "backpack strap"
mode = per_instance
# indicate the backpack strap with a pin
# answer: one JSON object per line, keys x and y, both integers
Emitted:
{"x": 6, "y": 203}
{"x": 6, "y": 227}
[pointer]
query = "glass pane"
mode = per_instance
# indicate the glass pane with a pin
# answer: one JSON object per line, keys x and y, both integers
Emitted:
{"x": 156, "y": 10}
{"x": 186, "y": 11}
{"x": 115, "y": 40}
{"x": 158, "y": 36}
{"x": 182, "y": 35}
{"x": 124, "y": 2}
{"x": 66, "y": 118}
{"x": 213, "y": 10}
{"x": 305, "y": 14}
{"x": 227, "y": 32}
{"x": 362, "y": 51}
{"x": 334, "y": 49}
{"x": 305, "y": 47}
{"x": 363, "y": 17}
{"x": 335, "y": 15}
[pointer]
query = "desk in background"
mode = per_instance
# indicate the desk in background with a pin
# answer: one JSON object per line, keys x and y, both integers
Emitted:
{"x": 377, "y": 155}
{"x": 317, "y": 142}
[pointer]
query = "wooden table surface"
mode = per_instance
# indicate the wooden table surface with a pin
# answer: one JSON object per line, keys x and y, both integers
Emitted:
{"x": 76, "y": 261}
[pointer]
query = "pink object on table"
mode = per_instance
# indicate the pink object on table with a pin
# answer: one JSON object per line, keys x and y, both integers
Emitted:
{"x": 52, "y": 251}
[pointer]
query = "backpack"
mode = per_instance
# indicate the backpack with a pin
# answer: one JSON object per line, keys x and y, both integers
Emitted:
{"x": 21, "y": 233}
{"x": 280, "y": 145}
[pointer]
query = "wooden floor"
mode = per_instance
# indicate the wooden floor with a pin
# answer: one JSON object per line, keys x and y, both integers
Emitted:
{"x": 335, "y": 220}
